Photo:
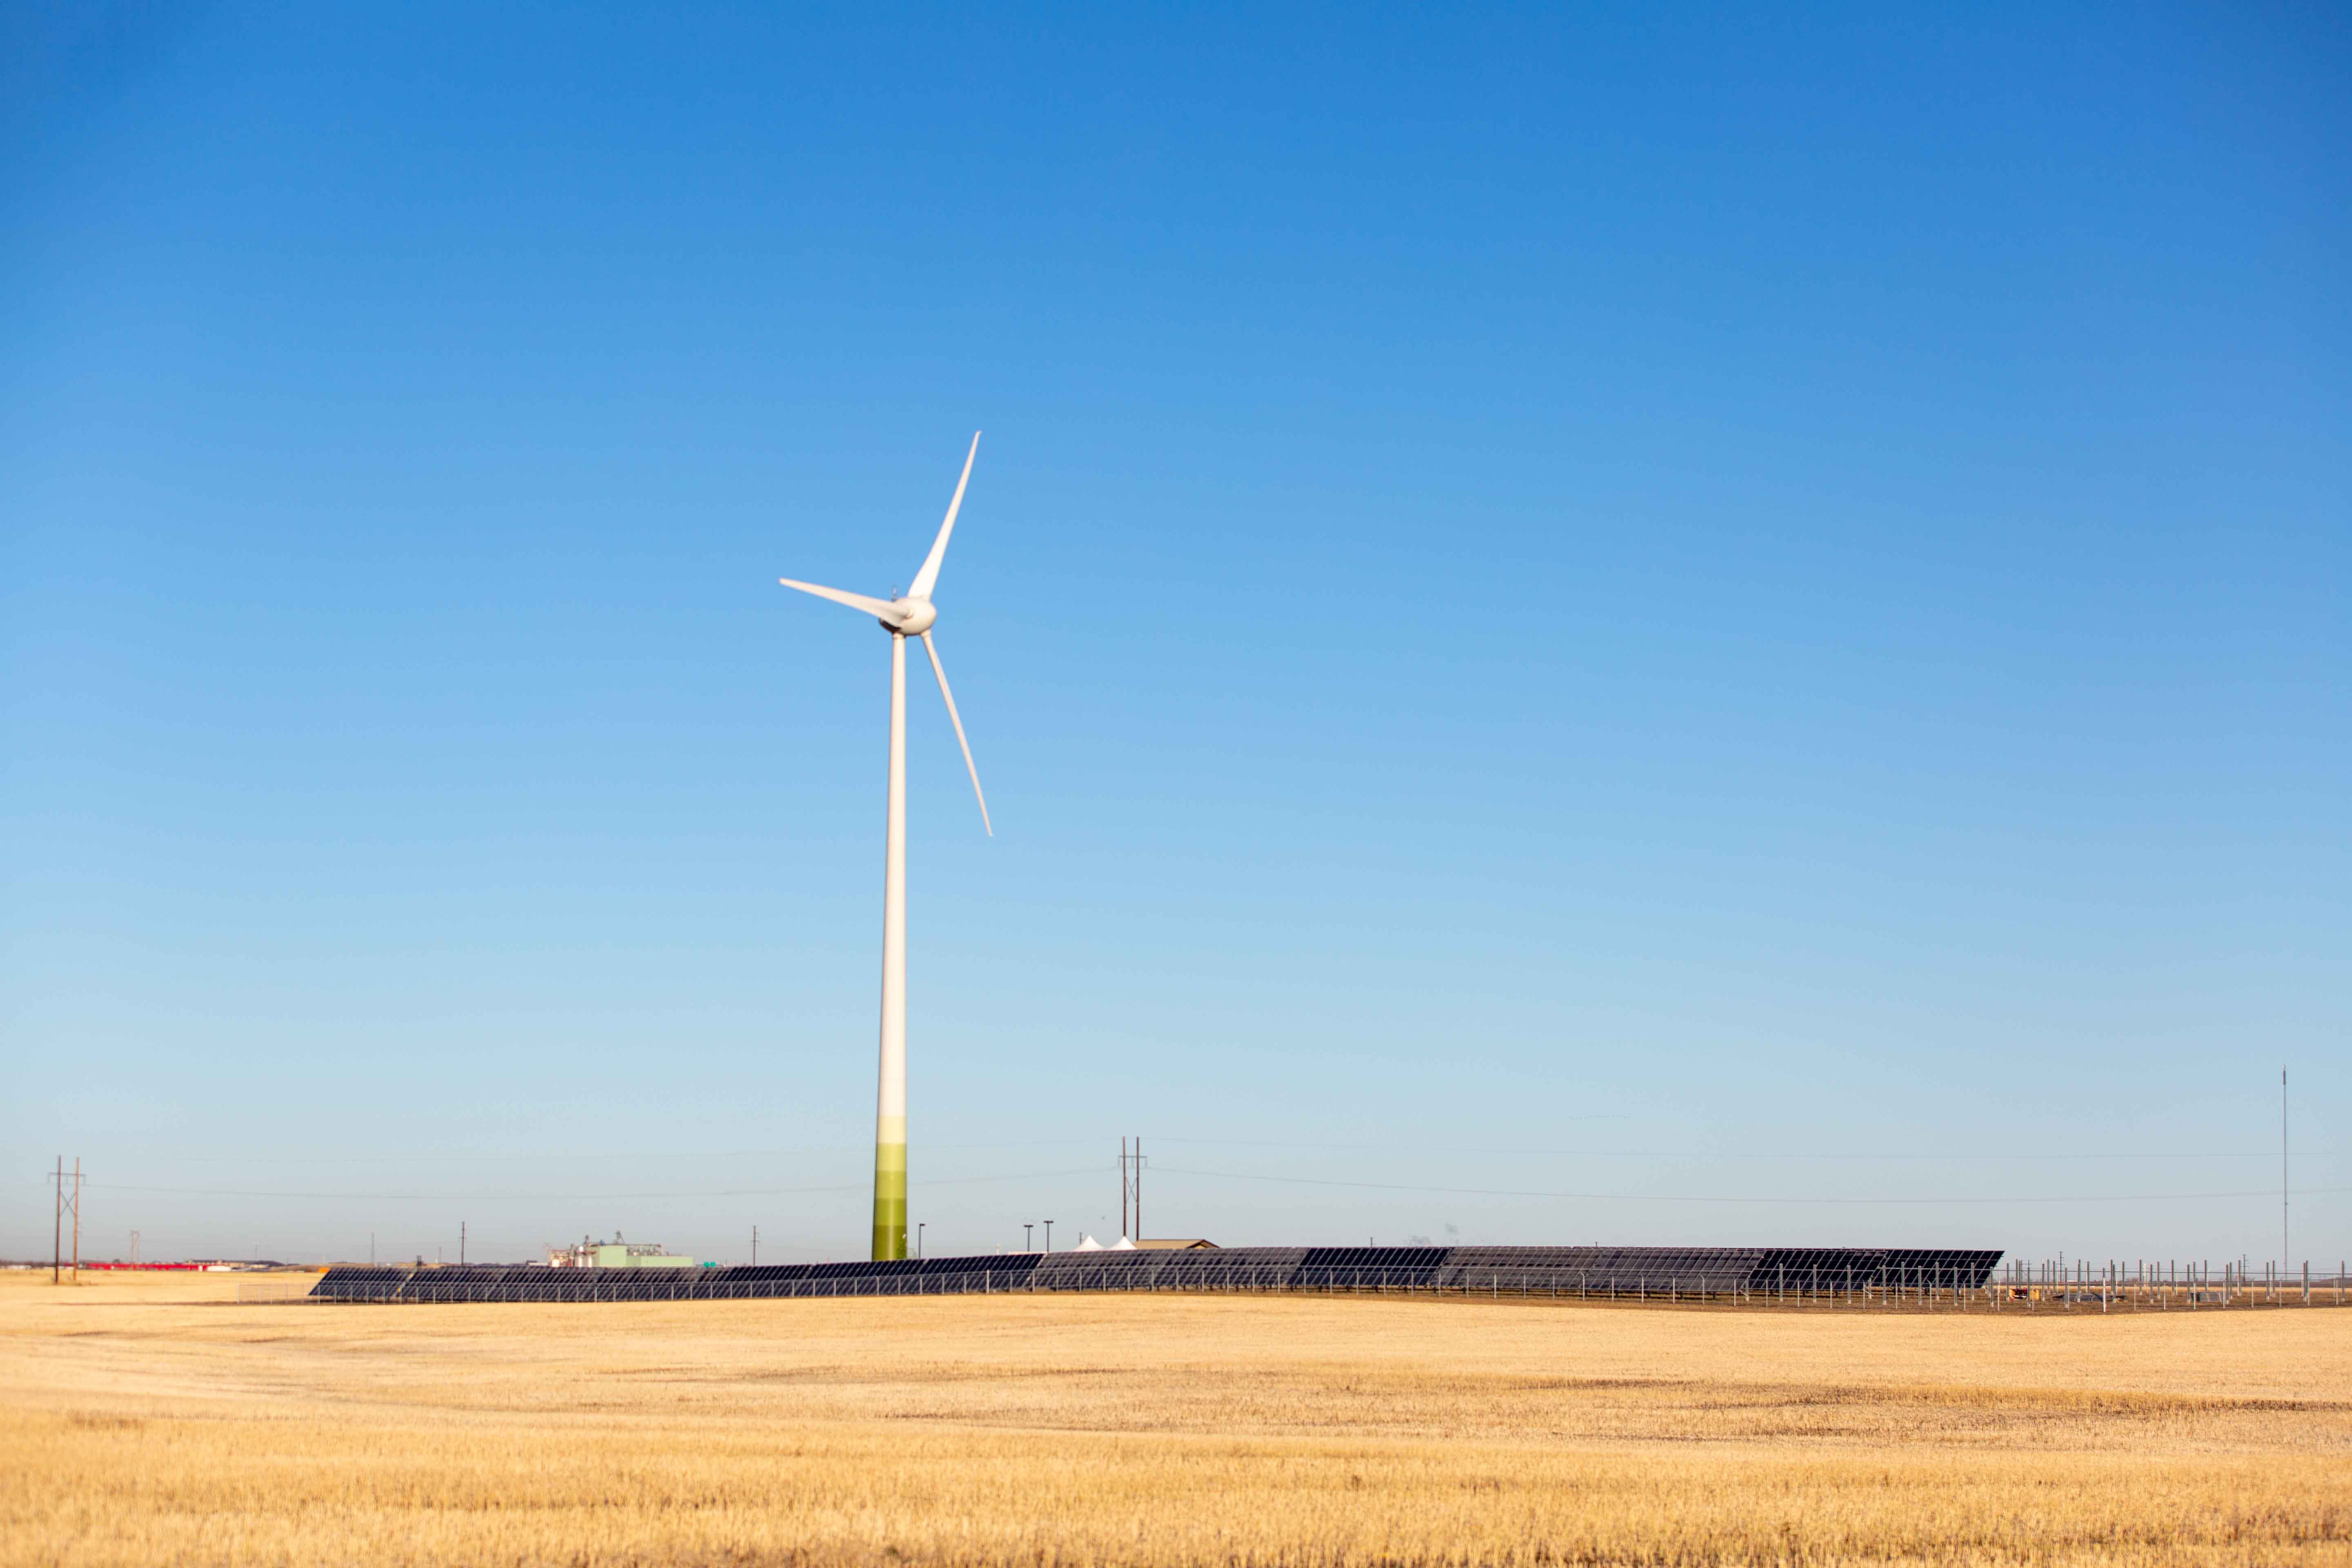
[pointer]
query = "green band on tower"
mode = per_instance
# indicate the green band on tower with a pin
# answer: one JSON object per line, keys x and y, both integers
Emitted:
{"x": 889, "y": 1200}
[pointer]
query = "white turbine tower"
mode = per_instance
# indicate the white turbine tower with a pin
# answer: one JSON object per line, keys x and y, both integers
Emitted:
{"x": 909, "y": 616}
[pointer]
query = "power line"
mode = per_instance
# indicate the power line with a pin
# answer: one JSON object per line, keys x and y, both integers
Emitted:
{"x": 1680, "y": 1198}
{"x": 1686, "y": 1156}
{"x": 538, "y": 1155}
{"x": 1727, "y": 1155}
{"x": 581, "y": 1198}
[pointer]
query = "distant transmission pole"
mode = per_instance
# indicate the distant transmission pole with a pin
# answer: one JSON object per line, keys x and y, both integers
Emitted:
{"x": 2284, "y": 1249}
{"x": 68, "y": 1201}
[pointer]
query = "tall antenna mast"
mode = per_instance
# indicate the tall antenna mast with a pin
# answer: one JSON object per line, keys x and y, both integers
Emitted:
{"x": 2282, "y": 1228}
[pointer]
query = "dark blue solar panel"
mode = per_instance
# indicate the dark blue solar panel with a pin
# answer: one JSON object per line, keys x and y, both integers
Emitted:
{"x": 1645, "y": 1270}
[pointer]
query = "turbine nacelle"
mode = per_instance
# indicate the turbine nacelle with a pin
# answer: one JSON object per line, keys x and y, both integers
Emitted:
{"x": 909, "y": 617}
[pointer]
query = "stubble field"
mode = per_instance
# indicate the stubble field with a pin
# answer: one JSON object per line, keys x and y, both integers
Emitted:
{"x": 151, "y": 1421}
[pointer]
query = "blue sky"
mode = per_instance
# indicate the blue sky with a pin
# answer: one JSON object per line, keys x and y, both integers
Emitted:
{"x": 1703, "y": 626}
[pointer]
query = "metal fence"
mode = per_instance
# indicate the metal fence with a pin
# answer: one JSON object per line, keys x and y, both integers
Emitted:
{"x": 2165, "y": 1285}
{"x": 273, "y": 1290}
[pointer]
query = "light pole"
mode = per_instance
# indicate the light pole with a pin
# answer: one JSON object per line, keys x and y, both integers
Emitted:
{"x": 1028, "y": 1241}
{"x": 918, "y": 1238}
{"x": 1049, "y": 1234}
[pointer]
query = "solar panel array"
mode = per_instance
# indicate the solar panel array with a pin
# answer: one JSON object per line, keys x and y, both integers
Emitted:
{"x": 1564, "y": 1270}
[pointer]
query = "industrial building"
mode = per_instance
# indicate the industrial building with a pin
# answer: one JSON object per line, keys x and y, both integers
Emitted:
{"x": 617, "y": 1254}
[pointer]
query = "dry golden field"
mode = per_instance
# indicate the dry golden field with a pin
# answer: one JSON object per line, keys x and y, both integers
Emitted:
{"x": 152, "y": 1421}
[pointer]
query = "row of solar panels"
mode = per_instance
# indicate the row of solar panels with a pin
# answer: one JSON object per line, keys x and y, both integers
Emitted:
{"x": 1587, "y": 1270}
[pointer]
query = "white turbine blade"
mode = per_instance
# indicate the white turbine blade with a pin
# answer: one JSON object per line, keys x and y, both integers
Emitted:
{"x": 957, "y": 719}
{"x": 930, "y": 572}
{"x": 882, "y": 608}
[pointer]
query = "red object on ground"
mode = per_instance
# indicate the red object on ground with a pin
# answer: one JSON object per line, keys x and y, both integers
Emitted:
{"x": 87, "y": 1267}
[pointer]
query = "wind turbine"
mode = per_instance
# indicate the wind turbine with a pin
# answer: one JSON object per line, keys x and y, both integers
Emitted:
{"x": 909, "y": 616}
